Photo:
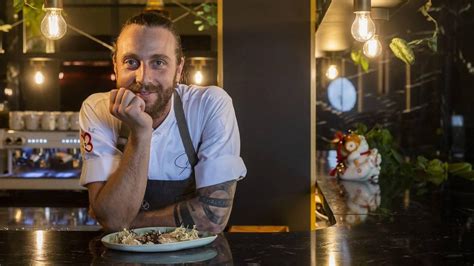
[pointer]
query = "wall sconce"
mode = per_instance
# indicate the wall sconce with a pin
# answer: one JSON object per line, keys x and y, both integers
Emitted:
{"x": 198, "y": 64}
{"x": 39, "y": 77}
{"x": 38, "y": 65}
{"x": 332, "y": 72}
{"x": 363, "y": 28}
{"x": 53, "y": 25}
{"x": 334, "y": 64}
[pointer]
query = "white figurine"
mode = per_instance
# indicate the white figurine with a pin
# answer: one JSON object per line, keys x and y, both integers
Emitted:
{"x": 355, "y": 161}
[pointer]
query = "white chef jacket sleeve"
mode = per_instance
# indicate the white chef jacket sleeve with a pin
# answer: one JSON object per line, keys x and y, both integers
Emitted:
{"x": 219, "y": 151}
{"x": 100, "y": 157}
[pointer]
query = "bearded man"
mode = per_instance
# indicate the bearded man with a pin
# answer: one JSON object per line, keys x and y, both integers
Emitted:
{"x": 155, "y": 152}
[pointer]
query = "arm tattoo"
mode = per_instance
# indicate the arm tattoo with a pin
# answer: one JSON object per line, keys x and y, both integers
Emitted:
{"x": 223, "y": 203}
{"x": 215, "y": 200}
{"x": 211, "y": 216}
{"x": 186, "y": 218}
{"x": 176, "y": 216}
{"x": 185, "y": 215}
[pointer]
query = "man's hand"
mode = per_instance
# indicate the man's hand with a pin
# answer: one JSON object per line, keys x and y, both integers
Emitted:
{"x": 130, "y": 109}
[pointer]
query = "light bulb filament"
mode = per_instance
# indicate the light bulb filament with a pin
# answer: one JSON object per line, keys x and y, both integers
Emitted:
{"x": 363, "y": 27}
{"x": 53, "y": 25}
{"x": 39, "y": 78}
{"x": 198, "y": 77}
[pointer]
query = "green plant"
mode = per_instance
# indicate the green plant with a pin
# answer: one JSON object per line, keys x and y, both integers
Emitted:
{"x": 421, "y": 170}
{"x": 360, "y": 59}
{"x": 32, "y": 15}
{"x": 206, "y": 17}
{"x": 403, "y": 50}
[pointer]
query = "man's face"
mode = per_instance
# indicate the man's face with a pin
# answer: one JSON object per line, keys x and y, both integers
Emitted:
{"x": 145, "y": 62}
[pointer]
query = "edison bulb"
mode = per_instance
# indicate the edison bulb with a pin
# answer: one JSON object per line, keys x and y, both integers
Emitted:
{"x": 332, "y": 72}
{"x": 53, "y": 25}
{"x": 198, "y": 78}
{"x": 372, "y": 48}
{"x": 39, "y": 78}
{"x": 363, "y": 27}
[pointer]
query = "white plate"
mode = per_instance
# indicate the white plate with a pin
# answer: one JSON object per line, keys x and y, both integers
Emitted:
{"x": 205, "y": 238}
{"x": 193, "y": 255}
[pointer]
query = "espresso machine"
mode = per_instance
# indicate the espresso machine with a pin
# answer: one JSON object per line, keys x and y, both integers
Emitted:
{"x": 31, "y": 160}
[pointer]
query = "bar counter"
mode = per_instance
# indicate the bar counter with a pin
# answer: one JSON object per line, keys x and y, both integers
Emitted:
{"x": 395, "y": 243}
{"x": 365, "y": 226}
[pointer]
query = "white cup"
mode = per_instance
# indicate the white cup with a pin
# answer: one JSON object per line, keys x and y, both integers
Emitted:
{"x": 48, "y": 121}
{"x": 32, "y": 120}
{"x": 62, "y": 121}
{"x": 15, "y": 120}
{"x": 74, "y": 121}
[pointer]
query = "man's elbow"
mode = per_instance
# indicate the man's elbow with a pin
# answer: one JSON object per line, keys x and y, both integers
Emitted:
{"x": 111, "y": 223}
{"x": 113, "y": 226}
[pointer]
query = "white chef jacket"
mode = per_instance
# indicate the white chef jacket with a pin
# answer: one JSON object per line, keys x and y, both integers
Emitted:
{"x": 212, "y": 125}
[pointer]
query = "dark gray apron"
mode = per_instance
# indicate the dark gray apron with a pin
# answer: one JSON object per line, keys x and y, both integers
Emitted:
{"x": 161, "y": 193}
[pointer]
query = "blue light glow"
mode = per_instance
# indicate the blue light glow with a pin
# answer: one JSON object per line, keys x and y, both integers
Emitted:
{"x": 342, "y": 94}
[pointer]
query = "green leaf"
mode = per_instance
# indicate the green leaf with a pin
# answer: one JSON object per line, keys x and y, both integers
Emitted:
{"x": 402, "y": 50}
{"x": 433, "y": 44}
{"x": 200, "y": 13}
{"x": 468, "y": 175}
{"x": 5, "y": 27}
{"x": 212, "y": 21}
{"x": 364, "y": 63}
{"x": 206, "y": 8}
{"x": 355, "y": 56}
{"x": 398, "y": 157}
{"x": 18, "y": 5}
{"x": 458, "y": 168}
{"x": 361, "y": 129}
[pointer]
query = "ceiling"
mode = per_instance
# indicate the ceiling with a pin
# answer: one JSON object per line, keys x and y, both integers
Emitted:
{"x": 334, "y": 32}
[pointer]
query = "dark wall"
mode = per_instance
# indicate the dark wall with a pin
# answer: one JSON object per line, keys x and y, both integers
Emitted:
{"x": 267, "y": 71}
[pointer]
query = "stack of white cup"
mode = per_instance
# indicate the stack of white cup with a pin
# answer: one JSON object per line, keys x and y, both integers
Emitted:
{"x": 46, "y": 121}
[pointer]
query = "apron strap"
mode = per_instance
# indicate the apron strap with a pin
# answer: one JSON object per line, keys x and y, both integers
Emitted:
{"x": 183, "y": 132}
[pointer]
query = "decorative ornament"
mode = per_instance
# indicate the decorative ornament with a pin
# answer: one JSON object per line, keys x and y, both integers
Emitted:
{"x": 355, "y": 160}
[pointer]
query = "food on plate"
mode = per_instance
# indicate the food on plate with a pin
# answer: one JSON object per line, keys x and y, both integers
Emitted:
{"x": 130, "y": 237}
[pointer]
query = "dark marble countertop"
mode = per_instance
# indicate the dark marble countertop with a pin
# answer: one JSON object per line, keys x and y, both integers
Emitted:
{"x": 377, "y": 224}
{"x": 75, "y": 247}
{"x": 360, "y": 224}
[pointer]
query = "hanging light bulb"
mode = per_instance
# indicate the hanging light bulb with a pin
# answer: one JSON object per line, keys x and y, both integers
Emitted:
{"x": 39, "y": 77}
{"x": 332, "y": 72}
{"x": 53, "y": 25}
{"x": 198, "y": 77}
{"x": 363, "y": 28}
{"x": 372, "y": 48}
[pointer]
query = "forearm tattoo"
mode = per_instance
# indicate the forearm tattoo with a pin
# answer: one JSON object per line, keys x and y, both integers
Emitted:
{"x": 215, "y": 204}
{"x": 217, "y": 200}
{"x": 182, "y": 216}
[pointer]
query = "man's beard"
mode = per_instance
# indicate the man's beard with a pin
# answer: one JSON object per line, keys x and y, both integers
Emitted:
{"x": 163, "y": 96}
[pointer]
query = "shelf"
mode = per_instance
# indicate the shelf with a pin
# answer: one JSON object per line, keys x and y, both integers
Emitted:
{"x": 12, "y": 183}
